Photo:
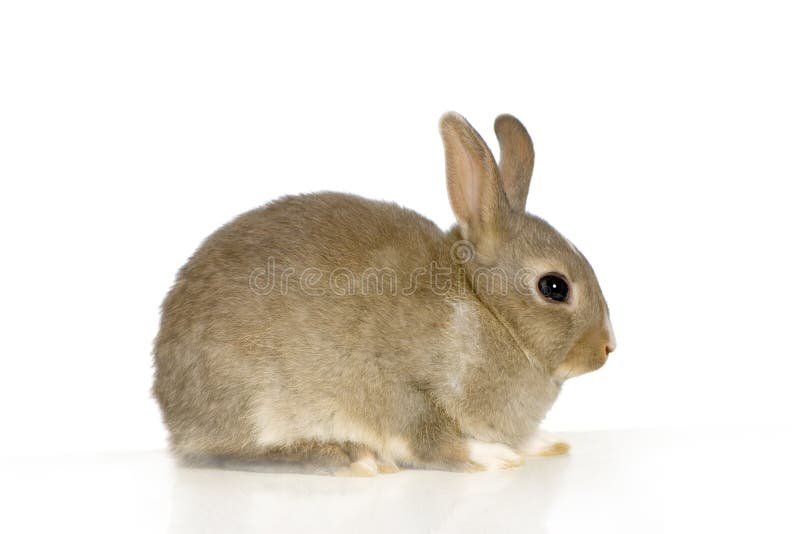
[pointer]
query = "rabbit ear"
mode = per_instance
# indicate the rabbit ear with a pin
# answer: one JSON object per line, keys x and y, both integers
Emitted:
{"x": 516, "y": 159}
{"x": 473, "y": 183}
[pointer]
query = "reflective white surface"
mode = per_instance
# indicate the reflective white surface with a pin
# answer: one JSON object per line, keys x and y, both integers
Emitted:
{"x": 612, "y": 481}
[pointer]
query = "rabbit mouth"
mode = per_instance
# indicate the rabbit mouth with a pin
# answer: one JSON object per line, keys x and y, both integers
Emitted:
{"x": 588, "y": 354}
{"x": 572, "y": 366}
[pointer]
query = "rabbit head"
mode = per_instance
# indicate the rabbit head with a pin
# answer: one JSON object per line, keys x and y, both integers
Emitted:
{"x": 537, "y": 284}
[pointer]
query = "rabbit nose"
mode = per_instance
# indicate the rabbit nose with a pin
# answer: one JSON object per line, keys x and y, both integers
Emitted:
{"x": 612, "y": 339}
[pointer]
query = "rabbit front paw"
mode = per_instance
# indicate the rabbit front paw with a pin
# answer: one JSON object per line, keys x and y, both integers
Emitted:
{"x": 492, "y": 456}
{"x": 544, "y": 444}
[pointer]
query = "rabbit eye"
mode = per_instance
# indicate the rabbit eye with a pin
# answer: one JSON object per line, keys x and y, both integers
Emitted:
{"x": 553, "y": 287}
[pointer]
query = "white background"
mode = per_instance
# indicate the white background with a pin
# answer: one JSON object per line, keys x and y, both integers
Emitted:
{"x": 667, "y": 150}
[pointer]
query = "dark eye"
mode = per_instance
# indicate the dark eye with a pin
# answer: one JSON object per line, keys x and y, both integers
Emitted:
{"x": 553, "y": 287}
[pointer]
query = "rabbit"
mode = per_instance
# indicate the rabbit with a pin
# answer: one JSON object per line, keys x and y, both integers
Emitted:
{"x": 355, "y": 333}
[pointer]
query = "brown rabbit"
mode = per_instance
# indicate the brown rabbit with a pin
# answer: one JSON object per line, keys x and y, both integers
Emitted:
{"x": 328, "y": 327}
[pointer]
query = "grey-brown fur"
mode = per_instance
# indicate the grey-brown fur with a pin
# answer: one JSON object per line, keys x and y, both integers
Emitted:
{"x": 327, "y": 374}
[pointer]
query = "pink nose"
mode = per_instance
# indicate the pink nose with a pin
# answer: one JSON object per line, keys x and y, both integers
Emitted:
{"x": 611, "y": 339}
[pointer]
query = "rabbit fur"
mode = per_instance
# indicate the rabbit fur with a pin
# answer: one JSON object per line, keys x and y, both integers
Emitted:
{"x": 357, "y": 334}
